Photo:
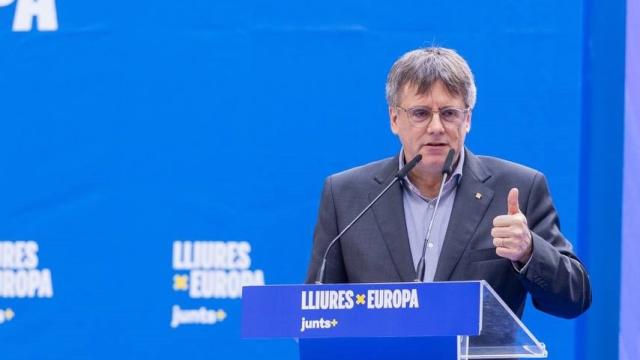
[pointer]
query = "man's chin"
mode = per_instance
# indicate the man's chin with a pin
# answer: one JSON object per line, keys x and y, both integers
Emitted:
{"x": 430, "y": 166}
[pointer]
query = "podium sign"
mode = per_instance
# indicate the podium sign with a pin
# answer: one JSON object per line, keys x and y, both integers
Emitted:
{"x": 362, "y": 310}
{"x": 439, "y": 320}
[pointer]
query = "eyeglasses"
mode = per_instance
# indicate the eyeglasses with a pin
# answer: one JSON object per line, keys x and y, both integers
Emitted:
{"x": 422, "y": 116}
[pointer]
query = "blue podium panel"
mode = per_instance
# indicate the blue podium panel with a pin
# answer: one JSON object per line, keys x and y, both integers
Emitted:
{"x": 362, "y": 310}
{"x": 432, "y": 348}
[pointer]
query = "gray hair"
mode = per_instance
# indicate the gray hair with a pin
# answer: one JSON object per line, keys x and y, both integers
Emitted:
{"x": 422, "y": 68}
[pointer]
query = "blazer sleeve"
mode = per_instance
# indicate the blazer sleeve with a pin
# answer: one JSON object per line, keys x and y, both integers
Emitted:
{"x": 325, "y": 231}
{"x": 557, "y": 280}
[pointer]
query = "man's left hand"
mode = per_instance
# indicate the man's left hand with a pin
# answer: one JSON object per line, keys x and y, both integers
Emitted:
{"x": 511, "y": 235}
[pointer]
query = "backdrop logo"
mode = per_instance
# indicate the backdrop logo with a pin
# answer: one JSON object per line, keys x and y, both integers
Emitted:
{"x": 42, "y": 12}
{"x": 19, "y": 273}
{"x": 211, "y": 270}
{"x": 6, "y": 315}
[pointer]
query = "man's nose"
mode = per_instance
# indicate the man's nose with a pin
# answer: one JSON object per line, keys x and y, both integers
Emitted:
{"x": 435, "y": 125}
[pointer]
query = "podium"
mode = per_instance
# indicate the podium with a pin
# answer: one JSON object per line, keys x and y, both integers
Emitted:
{"x": 436, "y": 320}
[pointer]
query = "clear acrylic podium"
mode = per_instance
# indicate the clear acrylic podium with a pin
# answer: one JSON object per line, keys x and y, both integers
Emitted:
{"x": 439, "y": 320}
{"x": 502, "y": 334}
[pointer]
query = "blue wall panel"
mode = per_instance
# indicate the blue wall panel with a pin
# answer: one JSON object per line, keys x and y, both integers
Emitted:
{"x": 629, "y": 343}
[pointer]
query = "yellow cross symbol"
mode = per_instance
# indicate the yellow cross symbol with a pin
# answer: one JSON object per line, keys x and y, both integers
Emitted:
{"x": 221, "y": 315}
{"x": 334, "y": 322}
{"x": 180, "y": 282}
{"x": 9, "y": 314}
{"x": 360, "y": 299}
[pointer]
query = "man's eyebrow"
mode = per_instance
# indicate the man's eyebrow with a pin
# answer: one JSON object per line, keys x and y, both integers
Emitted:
{"x": 440, "y": 108}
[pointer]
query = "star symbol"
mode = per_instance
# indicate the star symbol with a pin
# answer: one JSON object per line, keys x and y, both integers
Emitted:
{"x": 221, "y": 315}
{"x": 334, "y": 322}
{"x": 180, "y": 282}
{"x": 9, "y": 314}
{"x": 360, "y": 299}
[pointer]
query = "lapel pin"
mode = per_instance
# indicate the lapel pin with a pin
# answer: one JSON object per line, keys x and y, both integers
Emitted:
{"x": 478, "y": 196}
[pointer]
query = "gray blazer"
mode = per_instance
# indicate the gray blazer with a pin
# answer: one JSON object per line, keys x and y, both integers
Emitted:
{"x": 377, "y": 249}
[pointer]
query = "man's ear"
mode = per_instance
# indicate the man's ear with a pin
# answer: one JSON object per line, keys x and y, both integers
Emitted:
{"x": 393, "y": 119}
{"x": 468, "y": 122}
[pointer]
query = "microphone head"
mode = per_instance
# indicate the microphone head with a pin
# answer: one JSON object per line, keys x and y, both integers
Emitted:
{"x": 416, "y": 159}
{"x": 448, "y": 163}
{"x": 408, "y": 167}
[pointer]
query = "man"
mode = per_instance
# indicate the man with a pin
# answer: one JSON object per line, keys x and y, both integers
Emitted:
{"x": 495, "y": 219}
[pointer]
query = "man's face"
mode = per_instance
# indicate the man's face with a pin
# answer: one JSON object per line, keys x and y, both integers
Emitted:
{"x": 435, "y": 139}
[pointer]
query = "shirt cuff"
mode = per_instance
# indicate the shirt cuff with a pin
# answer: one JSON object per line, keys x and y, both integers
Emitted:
{"x": 521, "y": 269}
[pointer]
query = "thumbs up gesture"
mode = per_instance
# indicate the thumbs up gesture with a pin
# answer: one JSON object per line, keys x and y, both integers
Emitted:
{"x": 511, "y": 235}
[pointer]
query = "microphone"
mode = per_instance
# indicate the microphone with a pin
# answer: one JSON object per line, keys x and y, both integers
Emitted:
{"x": 398, "y": 176}
{"x": 408, "y": 167}
{"x": 447, "y": 169}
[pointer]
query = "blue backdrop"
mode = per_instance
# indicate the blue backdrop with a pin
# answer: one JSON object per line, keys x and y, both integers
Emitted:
{"x": 159, "y": 155}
